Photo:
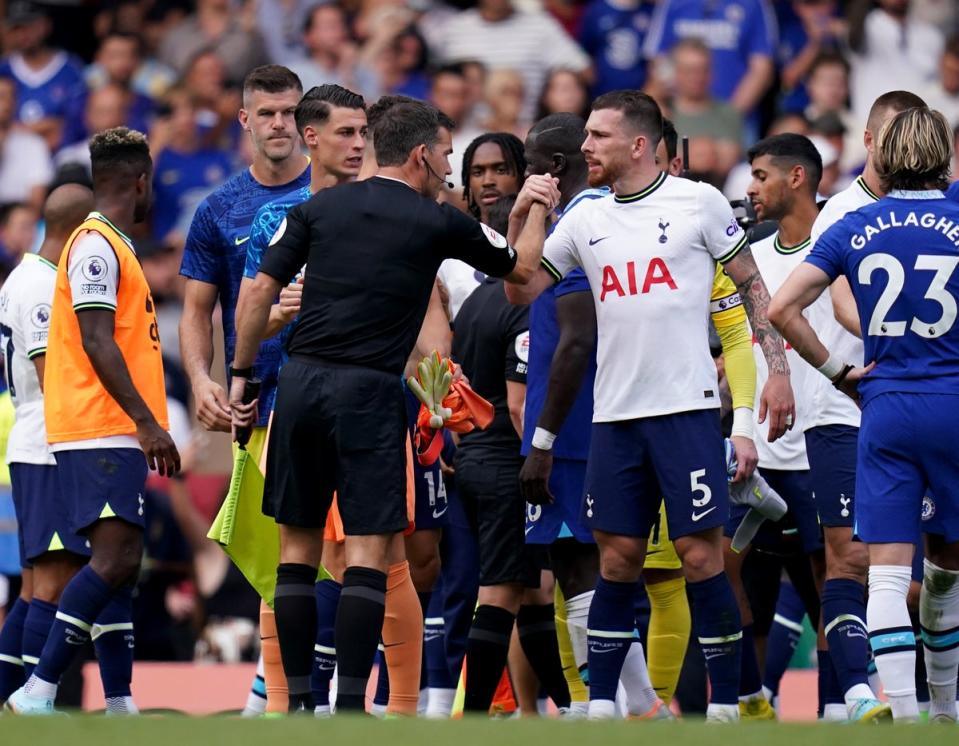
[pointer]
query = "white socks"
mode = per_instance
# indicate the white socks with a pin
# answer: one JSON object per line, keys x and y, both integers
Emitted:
{"x": 640, "y": 695}
{"x": 892, "y": 639}
{"x": 577, "y": 614}
{"x": 939, "y": 617}
{"x": 39, "y": 688}
{"x": 440, "y": 704}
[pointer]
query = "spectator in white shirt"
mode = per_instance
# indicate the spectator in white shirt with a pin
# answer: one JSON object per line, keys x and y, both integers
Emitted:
{"x": 943, "y": 95}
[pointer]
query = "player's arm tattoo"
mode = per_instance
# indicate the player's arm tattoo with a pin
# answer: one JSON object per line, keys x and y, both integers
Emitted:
{"x": 744, "y": 272}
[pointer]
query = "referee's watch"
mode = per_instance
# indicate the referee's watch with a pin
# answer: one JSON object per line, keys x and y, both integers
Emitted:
{"x": 241, "y": 372}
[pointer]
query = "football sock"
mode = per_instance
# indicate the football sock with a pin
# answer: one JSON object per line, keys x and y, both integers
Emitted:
{"x": 403, "y": 640}
{"x": 113, "y": 641}
{"x": 381, "y": 696}
{"x": 830, "y": 695}
{"x": 294, "y": 604}
{"x": 274, "y": 680}
{"x": 359, "y": 623}
{"x": 843, "y": 612}
{"x": 577, "y": 620}
{"x": 577, "y": 689}
{"x": 36, "y": 630}
{"x": 939, "y": 617}
{"x": 610, "y": 634}
{"x": 668, "y": 637}
{"x": 486, "y": 652}
{"x": 750, "y": 683}
{"x": 719, "y": 631}
{"x": 324, "y": 650}
{"x": 424, "y": 599}
{"x": 891, "y": 637}
{"x": 783, "y": 637}
{"x": 12, "y": 674}
{"x": 536, "y": 626}
{"x": 441, "y": 684}
{"x": 81, "y": 602}
{"x": 640, "y": 695}
{"x": 256, "y": 699}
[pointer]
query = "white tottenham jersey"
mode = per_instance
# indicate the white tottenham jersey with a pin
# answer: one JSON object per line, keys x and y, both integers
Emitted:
{"x": 650, "y": 259}
{"x": 25, "y": 304}
{"x": 775, "y": 263}
{"x": 829, "y": 405}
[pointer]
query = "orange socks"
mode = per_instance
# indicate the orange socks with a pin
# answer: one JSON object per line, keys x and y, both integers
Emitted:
{"x": 277, "y": 695}
{"x": 403, "y": 640}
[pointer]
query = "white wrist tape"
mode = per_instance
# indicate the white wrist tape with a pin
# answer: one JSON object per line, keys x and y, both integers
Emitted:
{"x": 742, "y": 422}
{"x": 832, "y": 367}
{"x": 543, "y": 439}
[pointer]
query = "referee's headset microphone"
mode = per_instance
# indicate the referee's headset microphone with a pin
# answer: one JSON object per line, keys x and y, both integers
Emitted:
{"x": 449, "y": 184}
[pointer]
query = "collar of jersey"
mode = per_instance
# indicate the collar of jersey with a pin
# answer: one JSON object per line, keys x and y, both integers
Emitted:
{"x": 780, "y": 249}
{"x": 862, "y": 185}
{"x": 657, "y": 183}
{"x": 105, "y": 219}
{"x": 916, "y": 194}
{"x": 40, "y": 259}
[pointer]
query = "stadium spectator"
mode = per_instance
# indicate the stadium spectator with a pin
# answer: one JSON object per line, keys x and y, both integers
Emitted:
{"x": 891, "y": 50}
{"x": 117, "y": 61}
{"x": 25, "y": 165}
{"x": 398, "y": 52}
{"x": 944, "y": 93}
{"x": 18, "y": 231}
{"x": 504, "y": 98}
{"x": 331, "y": 56}
{"x": 612, "y": 32}
{"x": 105, "y": 108}
{"x": 807, "y": 30}
{"x": 49, "y": 81}
{"x": 214, "y": 24}
{"x": 216, "y": 102}
{"x": 563, "y": 93}
{"x": 281, "y": 25}
{"x": 714, "y": 128}
{"x": 500, "y": 36}
{"x": 741, "y": 35}
{"x": 186, "y": 170}
{"x": 450, "y": 93}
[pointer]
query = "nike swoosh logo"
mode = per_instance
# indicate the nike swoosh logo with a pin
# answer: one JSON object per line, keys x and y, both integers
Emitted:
{"x": 594, "y": 241}
{"x": 240, "y": 241}
{"x": 437, "y": 515}
{"x": 600, "y": 651}
{"x": 528, "y": 529}
{"x": 698, "y": 516}
{"x": 326, "y": 668}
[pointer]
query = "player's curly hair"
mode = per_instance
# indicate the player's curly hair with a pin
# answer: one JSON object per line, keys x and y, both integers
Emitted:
{"x": 513, "y": 154}
{"x": 120, "y": 150}
{"x": 914, "y": 150}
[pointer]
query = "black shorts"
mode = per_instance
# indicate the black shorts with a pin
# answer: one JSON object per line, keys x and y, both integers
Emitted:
{"x": 337, "y": 428}
{"x": 488, "y": 485}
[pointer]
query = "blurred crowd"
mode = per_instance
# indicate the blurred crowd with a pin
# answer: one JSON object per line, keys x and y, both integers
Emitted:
{"x": 725, "y": 71}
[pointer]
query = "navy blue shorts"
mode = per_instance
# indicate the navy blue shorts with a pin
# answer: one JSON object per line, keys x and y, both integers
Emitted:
{"x": 636, "y": 464}
{"x": 562, "y": 519}
{"x": 795, "y": 488}
{"x": 102, "y": 483}
{"x": 43, "y": 515}
{"x": 907, "y": 467}
{"x": 832, "y": 453}
{"x": 431, "y": 503}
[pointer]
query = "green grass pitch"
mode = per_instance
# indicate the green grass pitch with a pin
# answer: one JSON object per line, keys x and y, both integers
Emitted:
{"x": 344, "y": 731}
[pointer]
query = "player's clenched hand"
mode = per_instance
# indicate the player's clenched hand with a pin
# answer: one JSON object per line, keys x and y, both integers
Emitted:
{"x": 777, "y": 403}
{"x": 538, "y": 188}
{"x": 159, "y": 449}
{"x": 289, "y": 303}
{"x": 243, "y": 415}
{"x": 534, "y": 477}
{"x": 746, "y": 457}
{"x": 212, "y": 406}
{"x": 850, "y": 384}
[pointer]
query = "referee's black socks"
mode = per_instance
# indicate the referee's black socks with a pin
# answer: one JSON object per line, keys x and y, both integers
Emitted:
{"x": 359, "y": 622}
{"x": 537, "y": 635}
{"x": 295, "y": 606}
{"x": 486, "y": 653}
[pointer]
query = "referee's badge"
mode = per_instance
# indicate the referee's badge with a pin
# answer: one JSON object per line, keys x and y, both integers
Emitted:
{"x": 279, "y": 232}
{"x": 497, "y": 239}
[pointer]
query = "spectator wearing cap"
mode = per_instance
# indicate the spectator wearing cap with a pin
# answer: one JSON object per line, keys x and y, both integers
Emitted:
{"x": 25, "y": 164}
{"x": 214, "y": 25}
{"x": 808, "y": 29}
{"x": 118, "y": 58}
{"x": 105, "y": 109}
{"x": 613, "y": 32}
{"x": 943, "y": 95}
{"x": 500, "y": 36}
{"x": 49, "y": 82}
{"x": 891, "y": 51}
{"x": 742, "y": 37}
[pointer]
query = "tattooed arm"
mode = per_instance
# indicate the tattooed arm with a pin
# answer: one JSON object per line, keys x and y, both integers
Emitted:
{"x": 776, "y": 400}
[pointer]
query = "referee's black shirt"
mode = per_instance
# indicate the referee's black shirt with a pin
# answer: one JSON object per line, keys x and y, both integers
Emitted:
{"x": 372, "y": 249}
{"x": 491, "y": 343}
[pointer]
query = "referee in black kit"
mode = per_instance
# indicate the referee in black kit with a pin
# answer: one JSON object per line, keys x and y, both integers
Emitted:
{"x": 371, "y": 249}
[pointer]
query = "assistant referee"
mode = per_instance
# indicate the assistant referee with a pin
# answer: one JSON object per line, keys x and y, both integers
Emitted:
{"x": 371, "y": 249}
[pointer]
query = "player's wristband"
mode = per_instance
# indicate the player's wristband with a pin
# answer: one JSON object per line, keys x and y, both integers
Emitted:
{"x": 742, "y": 423}
{"x": 241, "y": 372}
{"x": 543, "y": 439}
{"x": 832, "y": 367}
{"x": 841, "y": 376}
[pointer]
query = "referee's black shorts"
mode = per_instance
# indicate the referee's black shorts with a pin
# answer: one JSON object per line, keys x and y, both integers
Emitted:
{"x": 337, "y": 428}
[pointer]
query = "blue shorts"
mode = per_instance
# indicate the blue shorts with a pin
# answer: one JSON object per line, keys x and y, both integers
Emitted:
{"x": 636, "y": 464}
{"x": 43, "y": 515}
{"x": 102, "y": 483}
{"x": 560, "y": 520}
{"x": 431, "y": 503}
{"x": 832, "y": 453}
{"x": 794, "y": 487}
{"x": 907, "y": 453}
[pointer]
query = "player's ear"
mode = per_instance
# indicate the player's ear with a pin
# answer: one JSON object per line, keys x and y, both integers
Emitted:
{"x": 560, "y": 163}
{"x": 243, "y": 116}
{"x": 309, "y": 136}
